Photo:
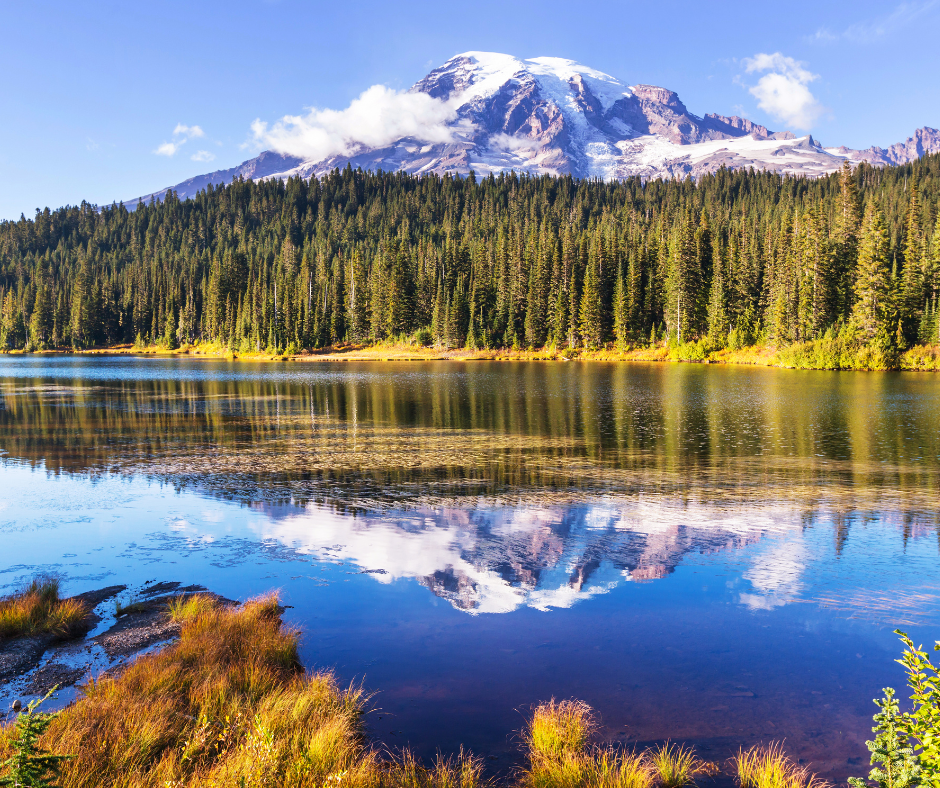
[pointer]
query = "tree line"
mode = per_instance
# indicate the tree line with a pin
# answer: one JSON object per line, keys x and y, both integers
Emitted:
{"x": 733, "y": 258}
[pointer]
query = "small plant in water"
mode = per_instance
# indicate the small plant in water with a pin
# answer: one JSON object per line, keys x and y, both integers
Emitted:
{"x": 677, "y": 766}
{"x": 127, "y": 606}
{"x": 560, "y": 728}
{"x": 769, "y": 767}
{"x": 30, "y": 766}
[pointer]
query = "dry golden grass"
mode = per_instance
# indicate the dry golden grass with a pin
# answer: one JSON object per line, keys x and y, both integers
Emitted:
{"x": 229, "y": 705}
{"x": 37, "y": 609}
{"x": 769, "y": 767}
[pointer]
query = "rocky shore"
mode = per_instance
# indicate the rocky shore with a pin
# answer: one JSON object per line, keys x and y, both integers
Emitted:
{"x": 124, "y": 622}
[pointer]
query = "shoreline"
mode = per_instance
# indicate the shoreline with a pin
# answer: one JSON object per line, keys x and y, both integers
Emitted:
{"x": 918, "y": 359}
{"x": 223, "y": 699}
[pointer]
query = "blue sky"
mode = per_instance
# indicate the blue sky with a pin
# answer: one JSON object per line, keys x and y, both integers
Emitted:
{"x": 93, "y": 93}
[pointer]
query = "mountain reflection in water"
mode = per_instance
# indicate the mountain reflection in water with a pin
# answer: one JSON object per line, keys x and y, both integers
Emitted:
{"x": 500, "y": 485}
{"x": 721, "y": 552}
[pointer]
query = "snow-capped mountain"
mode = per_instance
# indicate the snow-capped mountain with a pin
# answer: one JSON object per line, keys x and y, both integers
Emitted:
{"x": 551, "y": 115}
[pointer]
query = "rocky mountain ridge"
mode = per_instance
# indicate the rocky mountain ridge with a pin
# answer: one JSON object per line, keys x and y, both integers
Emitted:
{"x": 555, "y": 116}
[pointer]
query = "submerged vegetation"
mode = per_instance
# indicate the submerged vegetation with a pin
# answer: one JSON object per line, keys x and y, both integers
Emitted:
{"x": 846, "y": 267}
{"x": 37, "y": 609}
{"x": 229, "y": 704}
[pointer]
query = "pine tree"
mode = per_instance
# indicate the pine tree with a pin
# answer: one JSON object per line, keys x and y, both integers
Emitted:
{"x": 845, "y": 240}
{"x": 874, "y": 309}
{"x": 30, "y": 766}
{"x": 368, "y": 256}
{"x": 717, "y": 309}
{"x": 401, "y": 303}
{"x": 621, "y": 314}
{"x": 684, "y": 286}
{"x": 40, "y": 323}
{"x": 913, "y": 291}
{"x": 574, "y": 309}
{"x": 169, "y": 327}
{"x": 891, "y": 753}
{"x": 592, "y": 328}
{"x": 83, "y": 307}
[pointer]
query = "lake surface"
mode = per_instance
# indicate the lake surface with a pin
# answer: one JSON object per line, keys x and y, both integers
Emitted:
{"x": 710, "y": 554}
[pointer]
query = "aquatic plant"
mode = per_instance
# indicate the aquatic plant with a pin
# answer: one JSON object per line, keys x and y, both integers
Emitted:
{"x": 769, "y": 767}
{"x": 677, "y": 765}
{"x": 559, "y": 728}
{"x": 406, "y": 771}
{"x": 38, "y": 609}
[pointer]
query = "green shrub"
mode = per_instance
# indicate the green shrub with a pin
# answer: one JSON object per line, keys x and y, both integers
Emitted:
{"x": 891, "y": 753}
{"x": 842, "y": 348}
{"x": 923, "y": 723}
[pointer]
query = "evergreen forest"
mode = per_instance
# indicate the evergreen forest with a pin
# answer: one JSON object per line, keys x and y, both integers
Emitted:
{"x": 730, "y": 260}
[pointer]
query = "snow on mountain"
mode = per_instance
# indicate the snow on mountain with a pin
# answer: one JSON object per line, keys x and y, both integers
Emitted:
{"x": 556, "y": 116}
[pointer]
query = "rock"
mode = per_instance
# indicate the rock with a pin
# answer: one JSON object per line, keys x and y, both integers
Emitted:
{"x": 17, "y": 705}
{"x": 20, "y": 655}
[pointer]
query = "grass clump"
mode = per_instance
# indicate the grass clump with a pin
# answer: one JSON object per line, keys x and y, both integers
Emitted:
{"x": 561, "y": 756}
{"x": 769, "y": 767}
{"x": 463, "y": 771}
{"x": 677, "y": 766}
{"x": 559, "y": 729}
{"x": 181, "y": 609}
{"x": 37, "y": 609}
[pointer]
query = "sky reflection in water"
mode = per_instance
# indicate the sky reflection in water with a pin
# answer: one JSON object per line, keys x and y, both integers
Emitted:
{"x": 702, "y": 553}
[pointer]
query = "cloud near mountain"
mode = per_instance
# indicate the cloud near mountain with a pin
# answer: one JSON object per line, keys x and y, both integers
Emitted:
{"x": 377, "y": 118}
{"x": 783, "y": 92}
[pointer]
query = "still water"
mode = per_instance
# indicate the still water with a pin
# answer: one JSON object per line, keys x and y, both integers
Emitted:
{"x": 709, "y": 554}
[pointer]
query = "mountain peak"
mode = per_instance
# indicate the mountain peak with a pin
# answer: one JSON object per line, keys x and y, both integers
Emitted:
{"x": 494, "y": 112}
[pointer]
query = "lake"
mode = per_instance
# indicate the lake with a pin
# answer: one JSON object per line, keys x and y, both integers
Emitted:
{"x": 708, "y": 554}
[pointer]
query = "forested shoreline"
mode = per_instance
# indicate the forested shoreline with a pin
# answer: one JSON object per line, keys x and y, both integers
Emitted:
{"x": 731, "y": 260}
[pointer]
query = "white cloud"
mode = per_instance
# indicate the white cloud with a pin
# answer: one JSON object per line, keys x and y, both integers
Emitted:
{"x": 377, "y": 118}
{"x": 866, "y": 32}
{"x": 202, "y": 155}
{"x": 167, "y": 149}
{"x": 783, "y": 93}
{"x": 181, "y": 135}
{"x": 508, "y": 142}
{"x": 189, "y": 132}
